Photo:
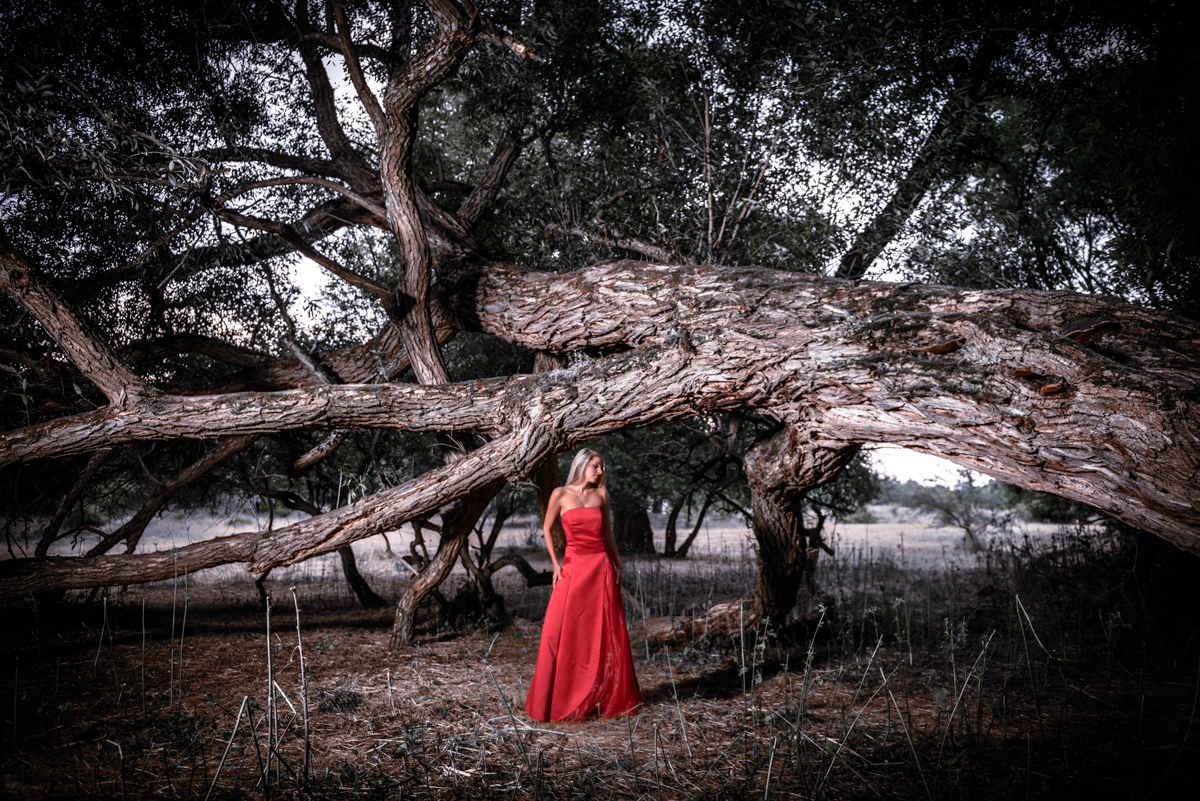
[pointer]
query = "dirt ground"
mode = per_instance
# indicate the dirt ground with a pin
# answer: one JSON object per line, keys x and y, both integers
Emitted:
{"x": 915, "y": 674}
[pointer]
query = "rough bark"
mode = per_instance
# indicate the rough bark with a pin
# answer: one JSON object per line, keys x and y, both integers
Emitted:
{"x": 395, "y": 124}
{"x": 456, "y": 527}
{"x": 989, "y": 380}
{"x": 855, "y": 352}
{"x": 318, "y": 452}
{"x": 780, "y": 470}
{"x": 95, "y": 359}
{"x": 846, "y": 359}
{"x": 357, "y": 583}
{"x": 399, "y": 406}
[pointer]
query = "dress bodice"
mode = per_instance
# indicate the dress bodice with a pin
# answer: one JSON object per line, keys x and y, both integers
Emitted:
{"x": 584, "y": 527}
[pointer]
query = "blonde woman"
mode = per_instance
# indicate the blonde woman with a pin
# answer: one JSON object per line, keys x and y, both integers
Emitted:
{"x": 584, "y": 664}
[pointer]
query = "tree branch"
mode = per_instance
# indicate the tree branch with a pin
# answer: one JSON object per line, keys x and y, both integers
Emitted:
{"x": 285, "y": 161}
{"x": 533, "y": 578}
{"x": 365, "y": 96}
{"x": 345, "y": 158}
{"x": 82, "y": 345}
{"x": 489, "y": 183}
{"x": 610, "y": 237}
{"x": 131, "y": 531}
{"x": 396, "y": 127}
{"x": 345, "y": 192}
{"x": 930, "y": 159}
{"x": 858, "y": 362}
{"x": 164, "y": 347}
{"x": 289, "y": 235}
{"x": 50, "y": 530}
{"x": 318, "y": 451}
{"x": 405, "y": 407}
{"x": 381, "y": 359}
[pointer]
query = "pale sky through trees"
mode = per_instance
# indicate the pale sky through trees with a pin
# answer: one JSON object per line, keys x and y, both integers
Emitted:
{"x": 903, "y": 465}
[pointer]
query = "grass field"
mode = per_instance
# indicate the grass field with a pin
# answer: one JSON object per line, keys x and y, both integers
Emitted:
{"x": 1051, "y": 664}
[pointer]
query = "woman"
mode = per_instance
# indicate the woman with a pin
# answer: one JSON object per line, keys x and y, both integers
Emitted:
{"x": 584, "y": 664}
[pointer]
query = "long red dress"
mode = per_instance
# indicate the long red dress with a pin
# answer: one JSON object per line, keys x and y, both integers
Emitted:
{"x": 584, "y": 664}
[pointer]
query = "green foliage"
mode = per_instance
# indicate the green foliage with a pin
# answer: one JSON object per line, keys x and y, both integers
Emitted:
{"x": 743, "y": 133}
{"x": 976, "y": 509}
{"x": 1043, "y": 507}
{"x": 851, "y": 490}
{"x": 660, "y": 467}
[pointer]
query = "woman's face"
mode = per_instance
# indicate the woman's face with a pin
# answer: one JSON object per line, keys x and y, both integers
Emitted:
{"x": 594, "y": 472}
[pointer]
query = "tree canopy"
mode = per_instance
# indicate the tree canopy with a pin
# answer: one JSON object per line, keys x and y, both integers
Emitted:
{"x": 587, "y": 183}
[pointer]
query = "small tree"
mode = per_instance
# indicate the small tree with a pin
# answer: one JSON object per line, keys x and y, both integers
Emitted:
{"x": 976, "y": 509}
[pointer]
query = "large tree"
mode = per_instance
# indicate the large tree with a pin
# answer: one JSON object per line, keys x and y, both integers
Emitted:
{"x": 461, "y": 168}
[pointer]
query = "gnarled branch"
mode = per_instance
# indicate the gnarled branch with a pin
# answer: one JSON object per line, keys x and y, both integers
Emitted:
{"x": 846, "y": 359}
{"x": 94, "y": 358}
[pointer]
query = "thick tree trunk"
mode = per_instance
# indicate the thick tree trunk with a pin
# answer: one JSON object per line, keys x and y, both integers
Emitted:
{"x": 1010, "y": 383}
{"x": 632, "y": 531}
{"x": 782, "y": 552}
{"x": 362, "y": 590}
{"x": 780, "y": 470}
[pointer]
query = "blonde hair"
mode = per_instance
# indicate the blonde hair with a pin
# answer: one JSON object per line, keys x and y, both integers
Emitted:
{"x": 580, "y": 462}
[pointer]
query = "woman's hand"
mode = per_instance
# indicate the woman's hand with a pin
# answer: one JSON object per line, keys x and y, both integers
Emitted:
{"x": 617, "y": 569}
{"x": 557, "y": 575}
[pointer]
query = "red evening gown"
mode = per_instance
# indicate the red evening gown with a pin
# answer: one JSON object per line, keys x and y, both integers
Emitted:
{"x": 584, "y": 665}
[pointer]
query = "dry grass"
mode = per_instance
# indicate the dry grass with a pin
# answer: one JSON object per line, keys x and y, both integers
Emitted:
{"x": 903, "y": 681}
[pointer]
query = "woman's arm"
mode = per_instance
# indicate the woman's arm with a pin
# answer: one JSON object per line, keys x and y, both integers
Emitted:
{"x": 610, "y": 540}
{"x": 552, "y": 510}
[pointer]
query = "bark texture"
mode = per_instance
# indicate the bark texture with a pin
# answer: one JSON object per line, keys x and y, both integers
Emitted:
{"x": 74, "y": 335}
{"x": 1009, "y": 383}
{"x": 856, "y": 362}
{"x": 456, "y": 527}
{"x": 780, "y": 470}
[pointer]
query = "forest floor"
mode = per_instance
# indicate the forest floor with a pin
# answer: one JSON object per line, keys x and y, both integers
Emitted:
{"x": 1050, "y": 664}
